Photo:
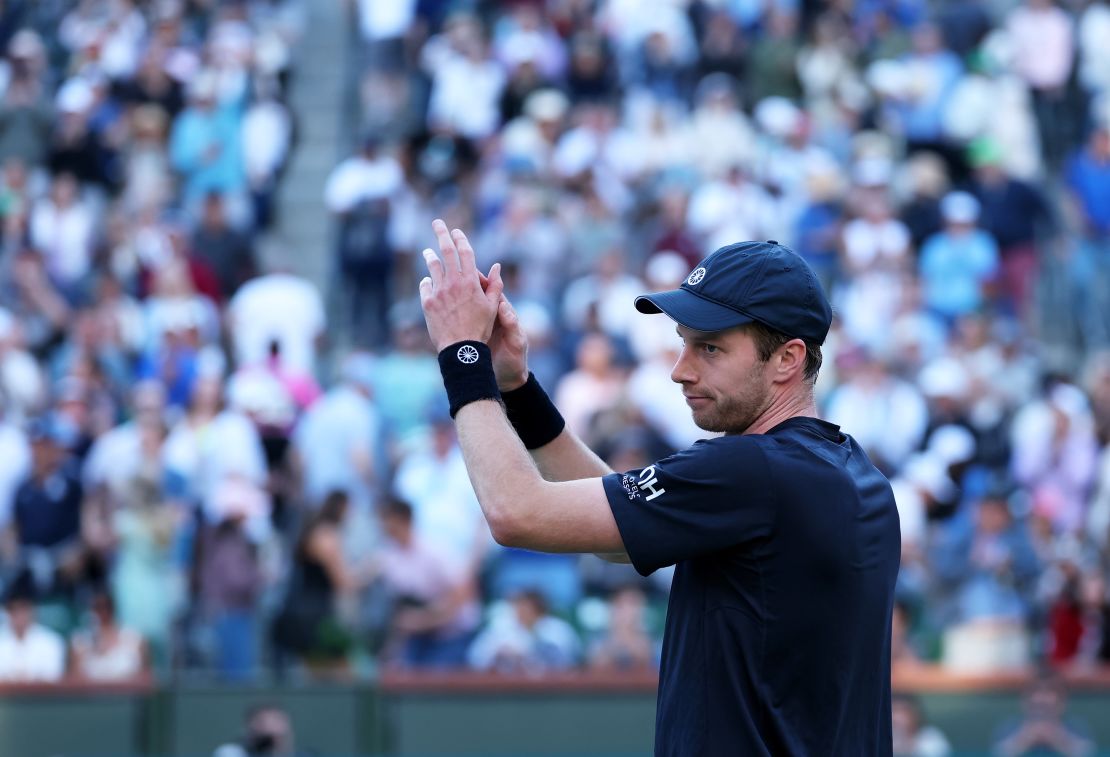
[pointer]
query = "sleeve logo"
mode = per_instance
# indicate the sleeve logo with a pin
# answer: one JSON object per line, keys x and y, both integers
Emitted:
{"x": 648, "y": 482}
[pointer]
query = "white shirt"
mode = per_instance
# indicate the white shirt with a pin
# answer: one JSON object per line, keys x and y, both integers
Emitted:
{"x": 124, "y": 659}
{"x": 888, "y": 419}
{"x": 446, "y": 513}
{"x": 65, "y": 236}
{"x": 39, "y": 656}
{"x": 338, "y": 430}
{"x": 466, "y": 96}
{"x": 1094, "y": 31}
{"x": 358, "y": 179}
{"x": 1043, "y": 46}
{"x": 114, "y": 458}
{"x": 278, "y": 307}
{"x": 266, "y": 132}
{"x": 506, "y": 636}
{"x": 205, "y": 456}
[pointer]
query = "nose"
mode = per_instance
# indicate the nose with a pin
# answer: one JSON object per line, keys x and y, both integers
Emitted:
{"x": 683, "y": 373}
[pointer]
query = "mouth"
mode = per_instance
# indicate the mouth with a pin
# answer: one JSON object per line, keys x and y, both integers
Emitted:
{"x": 695, "y": 401}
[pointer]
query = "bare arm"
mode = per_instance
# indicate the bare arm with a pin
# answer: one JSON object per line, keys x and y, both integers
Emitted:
{"x": 565, "y": 458}
{"x": 522, "y": 508}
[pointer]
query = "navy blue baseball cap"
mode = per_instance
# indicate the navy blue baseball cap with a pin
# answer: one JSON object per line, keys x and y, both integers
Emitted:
{"x": 764, "y": 282}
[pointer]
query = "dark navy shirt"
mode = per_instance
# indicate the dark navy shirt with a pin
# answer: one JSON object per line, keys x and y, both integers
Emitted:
{"x": 778, "y": 631}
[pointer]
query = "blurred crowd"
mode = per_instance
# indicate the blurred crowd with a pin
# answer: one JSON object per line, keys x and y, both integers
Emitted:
{"x": 212, "y": 466}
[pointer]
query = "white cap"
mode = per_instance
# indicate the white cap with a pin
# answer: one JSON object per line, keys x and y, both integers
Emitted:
{"x": 546, "y": 105}
{"x": 873, "y": 172}
{"x": 929, "y": 474}
{"x": 944, "y": 377}
{"x": 952, "y": 444}
{"x": 75, "y": 96}
{"x": 959, "y": 207}
{"x": 777, "y": 116}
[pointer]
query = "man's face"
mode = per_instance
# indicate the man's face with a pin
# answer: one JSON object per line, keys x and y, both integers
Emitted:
{"x": 726, "y": 385}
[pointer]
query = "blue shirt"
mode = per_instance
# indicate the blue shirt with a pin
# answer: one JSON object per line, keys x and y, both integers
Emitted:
{"x": 1089, "y": 179}
{"x": 954, "y": 269}
{"x": 787, "y": 547}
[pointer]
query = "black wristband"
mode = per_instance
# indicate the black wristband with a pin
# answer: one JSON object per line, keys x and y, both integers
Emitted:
{"x": 534, "y": 416}
{"x": 467, "y": 369}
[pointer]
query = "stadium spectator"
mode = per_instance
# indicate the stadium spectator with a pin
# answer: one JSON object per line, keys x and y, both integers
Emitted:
{"x": 433, "y": 595}
{"x": 524, "y": 638}
{"x": 913, "y": 736}
{"x": 1044, "y": 725}
{"x": 309, "y": 624}
{"x": 107, "y": 651}
{"x": 29, "y": 652}
{"x": 626, "y": 644}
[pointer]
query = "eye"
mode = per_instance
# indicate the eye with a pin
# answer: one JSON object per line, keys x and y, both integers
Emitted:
{"x": 709, "y": 348}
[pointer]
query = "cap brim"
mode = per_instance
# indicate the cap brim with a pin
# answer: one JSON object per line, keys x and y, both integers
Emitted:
{"x": 691, "y": 311}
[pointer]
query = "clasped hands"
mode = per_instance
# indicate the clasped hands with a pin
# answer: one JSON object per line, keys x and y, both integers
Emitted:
{"x": 461, "y": 303}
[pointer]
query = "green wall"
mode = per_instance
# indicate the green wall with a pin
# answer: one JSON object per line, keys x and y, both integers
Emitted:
{"x": 345, "y": 721}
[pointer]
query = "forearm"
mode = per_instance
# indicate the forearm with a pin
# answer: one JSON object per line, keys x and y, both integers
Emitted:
{"x": 567, "y": 458}
{"x": 522, "y": 508}
{"x": 558, "y": 453}
{"x": 503, "y": 475}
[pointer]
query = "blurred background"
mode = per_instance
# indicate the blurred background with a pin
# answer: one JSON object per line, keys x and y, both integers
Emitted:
{"x": 234, "y": 518}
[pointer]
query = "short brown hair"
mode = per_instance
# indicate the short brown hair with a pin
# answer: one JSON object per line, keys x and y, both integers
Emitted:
{"x": 767, "y": 340}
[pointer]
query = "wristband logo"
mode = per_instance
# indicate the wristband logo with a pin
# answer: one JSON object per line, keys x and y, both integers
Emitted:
{"x": 468, "y": 354}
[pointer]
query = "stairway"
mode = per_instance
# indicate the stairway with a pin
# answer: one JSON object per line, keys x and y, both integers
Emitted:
{"x": 320, "y": 95}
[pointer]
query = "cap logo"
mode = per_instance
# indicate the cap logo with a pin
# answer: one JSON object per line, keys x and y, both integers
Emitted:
{"x": 467, "y": 354}
{"x": 696, "y": 277}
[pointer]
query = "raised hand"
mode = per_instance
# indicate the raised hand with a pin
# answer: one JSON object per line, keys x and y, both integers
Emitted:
{"x": 509, "y": 346}
{"x": 455, "y": 306}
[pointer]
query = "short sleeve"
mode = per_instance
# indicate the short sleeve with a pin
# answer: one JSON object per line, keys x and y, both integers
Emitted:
{"x": 713, "y": 496}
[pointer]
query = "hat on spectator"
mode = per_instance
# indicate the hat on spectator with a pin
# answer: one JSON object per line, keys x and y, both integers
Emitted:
{"x": 959, "y": 207}
{"x": 546, "y": 105}
{"x": 944, "y": 377}
{"x": 952, "y": 444}
{"x": 985, "y": 151}
{"x": 75, "y": 96}
{"x": 45, "y": 428}
{"x": 931, "y": 475}
{"x": 747, "y": 282}
{"x": 873, "y": 172}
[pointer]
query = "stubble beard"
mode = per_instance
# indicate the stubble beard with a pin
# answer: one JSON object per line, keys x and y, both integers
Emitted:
{"x": 735, "y": 413}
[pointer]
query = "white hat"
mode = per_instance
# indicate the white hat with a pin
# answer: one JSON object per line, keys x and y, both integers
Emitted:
{"x": 546, "y": 105}
{"x": 777, "y": 116}
{"x": 959, "y": 207}
{"x": 930, "y": 474}
{"x": 75, "y": 96}
{"x": 944, "y": 377}
{"x": 952, "y": 444}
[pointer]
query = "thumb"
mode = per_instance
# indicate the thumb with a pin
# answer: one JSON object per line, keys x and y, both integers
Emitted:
{"x": 496, "y": 285}
{"x": 425, "y": 290}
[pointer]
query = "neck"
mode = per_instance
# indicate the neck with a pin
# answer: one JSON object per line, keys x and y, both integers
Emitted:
{"x": 797, "y": 403}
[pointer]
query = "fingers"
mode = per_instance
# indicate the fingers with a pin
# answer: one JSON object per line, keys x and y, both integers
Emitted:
{"x": 496, "y": 285}
{"x": 446, "y": 248}
{"x": 425, "y": 290}
{"x": 466, "y": 252}
{"x": 435, "y": 266}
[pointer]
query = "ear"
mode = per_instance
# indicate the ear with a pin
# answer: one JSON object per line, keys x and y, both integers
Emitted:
{"x": 790, "y": 361}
